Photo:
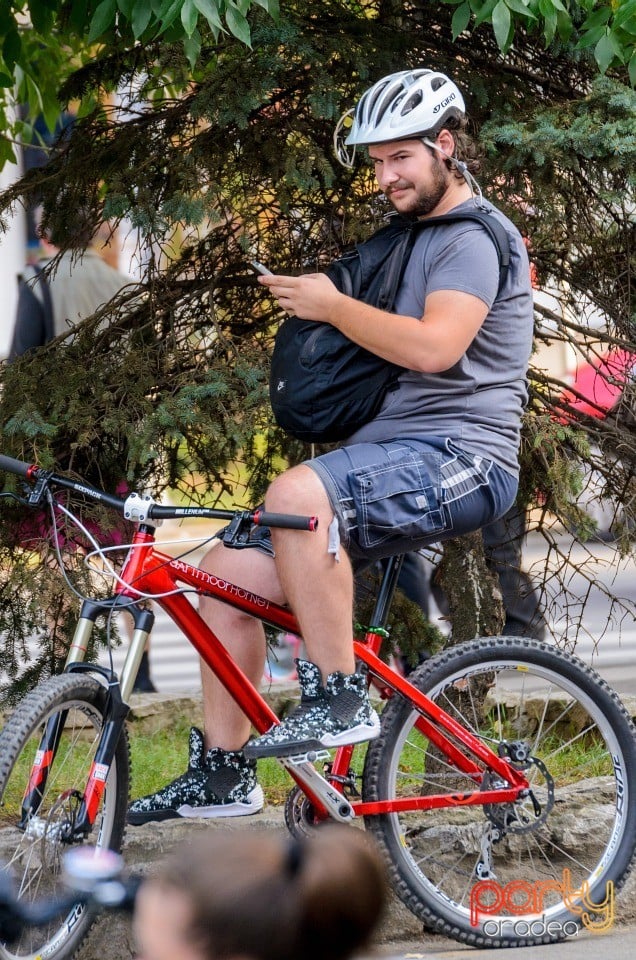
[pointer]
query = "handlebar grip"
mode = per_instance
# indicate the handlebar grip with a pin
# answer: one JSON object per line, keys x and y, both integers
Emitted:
{"x": 15, "y": 466}
{"x": 292, "y": 522}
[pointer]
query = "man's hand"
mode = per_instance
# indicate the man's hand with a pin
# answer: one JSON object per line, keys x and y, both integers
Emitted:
{"x": 311, "y": 297}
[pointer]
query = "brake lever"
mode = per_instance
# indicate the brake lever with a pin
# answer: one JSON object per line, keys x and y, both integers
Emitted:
{"x": 237, "y": 532}
{"x": 36, "y": 493}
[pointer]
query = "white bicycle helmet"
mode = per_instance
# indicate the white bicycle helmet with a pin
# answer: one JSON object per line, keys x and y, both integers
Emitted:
{"x": 410, "y": 103}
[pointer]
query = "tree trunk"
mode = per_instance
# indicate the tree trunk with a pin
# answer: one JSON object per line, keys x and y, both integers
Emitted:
{"x": 473, "y": 593}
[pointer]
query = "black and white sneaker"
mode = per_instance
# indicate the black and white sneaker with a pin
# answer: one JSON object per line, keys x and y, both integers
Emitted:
{"x": 331, "y": 716}
{"x": 219, "y": 783}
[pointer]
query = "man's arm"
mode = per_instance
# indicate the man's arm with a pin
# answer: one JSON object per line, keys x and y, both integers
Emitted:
{"x": 432, "y": 344}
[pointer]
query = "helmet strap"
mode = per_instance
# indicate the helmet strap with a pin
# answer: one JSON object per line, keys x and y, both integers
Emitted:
{"x": 345, "y": 155}
{"x": 459, "y": 165}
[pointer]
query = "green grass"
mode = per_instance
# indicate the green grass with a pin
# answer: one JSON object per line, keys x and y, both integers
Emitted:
{"x": 578, "y": 760}
{"x": 158, "y": 758}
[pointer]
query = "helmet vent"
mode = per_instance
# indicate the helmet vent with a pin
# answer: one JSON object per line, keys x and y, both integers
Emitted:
{"x": 372, "y": 101}
{"x": 412, "y": 102}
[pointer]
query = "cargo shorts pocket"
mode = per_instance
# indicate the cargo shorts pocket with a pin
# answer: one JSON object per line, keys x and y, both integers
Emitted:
{"x": 399, "y": 501}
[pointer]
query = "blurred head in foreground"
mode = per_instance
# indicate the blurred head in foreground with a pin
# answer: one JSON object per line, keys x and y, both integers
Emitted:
{"x": 259, "y": 896}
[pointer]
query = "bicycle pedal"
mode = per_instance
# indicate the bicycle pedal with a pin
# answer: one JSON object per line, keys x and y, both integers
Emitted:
{"x": 310, "y": 757}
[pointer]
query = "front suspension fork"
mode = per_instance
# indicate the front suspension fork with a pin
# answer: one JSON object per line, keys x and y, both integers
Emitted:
{"x": 115, "y": 716}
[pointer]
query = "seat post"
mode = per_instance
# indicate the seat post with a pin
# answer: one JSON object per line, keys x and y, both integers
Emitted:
{"x": 386, "y": 590}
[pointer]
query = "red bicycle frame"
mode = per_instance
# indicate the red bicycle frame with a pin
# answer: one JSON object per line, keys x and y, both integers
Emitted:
{"x": 148, "y": 572}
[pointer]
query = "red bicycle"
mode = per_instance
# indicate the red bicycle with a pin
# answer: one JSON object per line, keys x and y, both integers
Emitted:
{"x": 501, "y": 790}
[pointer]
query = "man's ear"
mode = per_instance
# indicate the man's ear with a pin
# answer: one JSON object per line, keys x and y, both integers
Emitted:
{"x": 446, "y": 142}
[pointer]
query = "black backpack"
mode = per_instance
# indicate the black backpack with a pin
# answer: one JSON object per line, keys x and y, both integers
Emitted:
{"x": 323, "y": 386}
{"x": 35, "y": 323}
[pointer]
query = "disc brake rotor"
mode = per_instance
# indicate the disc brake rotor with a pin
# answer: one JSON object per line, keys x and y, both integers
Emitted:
{"x": 529, "y": 811}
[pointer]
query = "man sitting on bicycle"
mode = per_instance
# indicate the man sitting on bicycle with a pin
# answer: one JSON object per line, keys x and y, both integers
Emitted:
{"x": 439, "y": 460}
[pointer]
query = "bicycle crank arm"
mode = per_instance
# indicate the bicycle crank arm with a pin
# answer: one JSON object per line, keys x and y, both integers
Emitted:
{"x": 301, "y": 768}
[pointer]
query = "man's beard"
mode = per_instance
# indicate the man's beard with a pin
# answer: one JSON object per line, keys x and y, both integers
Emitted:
{"x": 428, "y": 197}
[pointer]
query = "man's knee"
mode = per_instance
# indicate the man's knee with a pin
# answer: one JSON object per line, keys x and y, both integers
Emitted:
{"x": 298, "y": 489}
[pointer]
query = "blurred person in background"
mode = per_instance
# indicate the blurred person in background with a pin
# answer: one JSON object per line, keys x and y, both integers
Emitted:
{"x": 52, "y": 302}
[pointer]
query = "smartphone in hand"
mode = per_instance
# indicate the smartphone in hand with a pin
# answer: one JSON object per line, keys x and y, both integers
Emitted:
{"x": 260, "y": 268}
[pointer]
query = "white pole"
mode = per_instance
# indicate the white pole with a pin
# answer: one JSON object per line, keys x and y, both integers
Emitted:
{"x": 12, "y": 260}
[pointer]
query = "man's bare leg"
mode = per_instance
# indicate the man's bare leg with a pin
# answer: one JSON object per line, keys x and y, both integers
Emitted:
{"x": 335, "y": 709}
{"x": 220, "y": 780}
{"x": 318, "y": 588}
{"x": 225, "y": 725}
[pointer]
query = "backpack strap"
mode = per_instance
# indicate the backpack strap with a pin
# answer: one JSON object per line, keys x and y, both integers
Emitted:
{"x": 373, "y": 270}
{"x": 496, "y": 230}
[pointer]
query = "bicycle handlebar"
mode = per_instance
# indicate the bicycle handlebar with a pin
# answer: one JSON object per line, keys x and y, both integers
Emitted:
{"x": 151, "y": 510}
{"x": 19, "y": 467}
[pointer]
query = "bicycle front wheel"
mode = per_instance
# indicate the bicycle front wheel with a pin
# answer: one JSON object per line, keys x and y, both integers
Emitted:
{"x": 510, "y": 874}
{"x": 35, "y": 835}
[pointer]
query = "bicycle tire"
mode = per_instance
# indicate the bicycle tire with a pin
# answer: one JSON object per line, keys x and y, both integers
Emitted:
{"x": 32, "y": 853}
{"x": 510, "y": 688}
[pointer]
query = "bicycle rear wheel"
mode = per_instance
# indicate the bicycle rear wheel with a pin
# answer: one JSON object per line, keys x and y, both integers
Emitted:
{"x": 506, "y": 874}
{"x": 32, "y": 845}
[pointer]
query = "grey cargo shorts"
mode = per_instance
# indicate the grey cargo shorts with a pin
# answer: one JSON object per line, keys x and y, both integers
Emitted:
{"x": 399, "y": 496}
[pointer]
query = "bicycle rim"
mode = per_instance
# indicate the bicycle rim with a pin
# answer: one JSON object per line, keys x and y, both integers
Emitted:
{"x": 509, "y": 874}
{"x": 32, "y": 850}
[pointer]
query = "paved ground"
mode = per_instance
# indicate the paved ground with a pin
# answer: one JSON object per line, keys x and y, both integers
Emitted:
{"x": 620, "y": 944}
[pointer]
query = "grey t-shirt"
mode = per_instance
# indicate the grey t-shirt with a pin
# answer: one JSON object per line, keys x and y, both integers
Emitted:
{"x": 479, "y": 401}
